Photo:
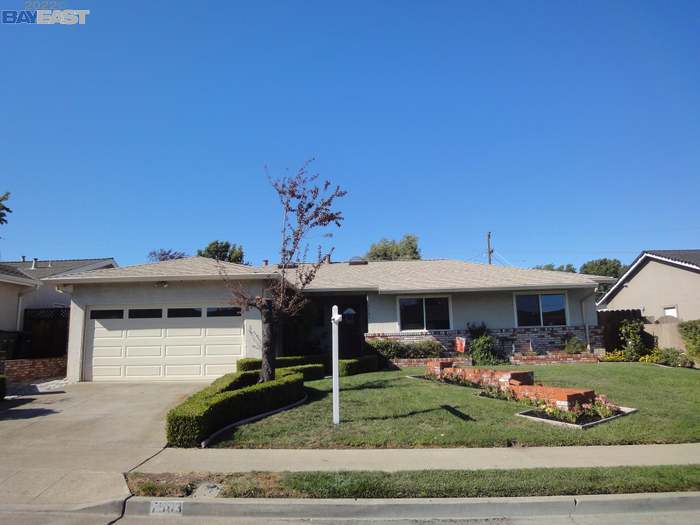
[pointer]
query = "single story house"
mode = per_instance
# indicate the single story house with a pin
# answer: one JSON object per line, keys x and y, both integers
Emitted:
{"x": 174, "y": 320}
{"x": 660, "y": 283}
{"x": 21, "y": 286}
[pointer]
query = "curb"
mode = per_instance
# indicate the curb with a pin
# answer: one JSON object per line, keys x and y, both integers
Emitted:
{"x": 420, "y": 508}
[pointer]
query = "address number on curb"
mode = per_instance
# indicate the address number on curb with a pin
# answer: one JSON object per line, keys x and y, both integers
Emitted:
{"x": 166, "y": 507}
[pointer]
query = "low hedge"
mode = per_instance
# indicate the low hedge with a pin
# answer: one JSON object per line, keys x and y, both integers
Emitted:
{"x": 360, "y": 365}
{"x": 690, "y": 332}
{"x": 228, "y": 399}
{"x": 310, "y": 372}
{"x": 3, "y": 386}
{"x": 251, "y": 363}
{"x": 393, "y": 349}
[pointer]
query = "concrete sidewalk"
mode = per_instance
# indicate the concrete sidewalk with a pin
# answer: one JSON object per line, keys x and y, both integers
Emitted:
{"x": 176, "y": 460}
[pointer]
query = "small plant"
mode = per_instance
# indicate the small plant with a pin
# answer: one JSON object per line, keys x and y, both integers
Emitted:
{"x": 484, "y": 352}
{"x": 618, "y": 356}
{"x": 574, "y": 345}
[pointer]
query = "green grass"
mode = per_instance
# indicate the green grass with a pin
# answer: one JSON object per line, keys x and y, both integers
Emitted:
{"x": 428, "y": 484}
{"x": 387, "y": 409}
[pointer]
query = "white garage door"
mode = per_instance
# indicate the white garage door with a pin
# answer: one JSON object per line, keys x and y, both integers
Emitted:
{"x": 162, "y": 343}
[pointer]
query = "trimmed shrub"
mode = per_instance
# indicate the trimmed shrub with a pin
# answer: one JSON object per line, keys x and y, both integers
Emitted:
{"x": 310, "y": 372}
{"x": 484, "y": 352}
{"x": 633, "y": 346}
{"x": 394, "y": 349}
{"x": 360, "y": 365}
{"x": 251, "y": 363}
{"x": 203, "y": 413}
{"x": 3, "y": 387}
{"x": 690, "y": 332}
{"x": 617, "y": 356}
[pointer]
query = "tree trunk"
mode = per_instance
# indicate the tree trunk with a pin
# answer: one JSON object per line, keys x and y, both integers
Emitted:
{"x": 267, "y": 369}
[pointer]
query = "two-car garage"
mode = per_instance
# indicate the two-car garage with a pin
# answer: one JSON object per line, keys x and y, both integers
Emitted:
{"x": 162, "y": 342}
{"x": 170, "y": 321}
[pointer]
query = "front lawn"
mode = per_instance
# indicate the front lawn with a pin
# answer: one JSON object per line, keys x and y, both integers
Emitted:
{"x": 425, "y": 483}
{"x": 388, "y": 409}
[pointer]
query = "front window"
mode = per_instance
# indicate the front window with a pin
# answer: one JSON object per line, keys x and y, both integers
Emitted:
{"x": 424, "y": 313}
{"x": 541, "y": 309}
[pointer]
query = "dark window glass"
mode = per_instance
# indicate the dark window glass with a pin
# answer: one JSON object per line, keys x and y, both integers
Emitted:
{"x": 437, "y": 313}
{"x": 228, "y": 311}
{"x": 107, "y": 314}
{"x": 184, "y": 312}
{"x": 553, "y": 309}
{"x": 528, "y": 307}
{"x": 411, "y": 311}
{"x": 145, "y": 313}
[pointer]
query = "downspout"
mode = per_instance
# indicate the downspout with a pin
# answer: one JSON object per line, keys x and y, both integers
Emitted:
{"x": 583, "y": 316}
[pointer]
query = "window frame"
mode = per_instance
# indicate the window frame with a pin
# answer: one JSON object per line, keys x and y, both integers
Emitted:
{"x": 422, "y": 298}
{"x": 669, "y": 307}
{"x": 539, "y": 302}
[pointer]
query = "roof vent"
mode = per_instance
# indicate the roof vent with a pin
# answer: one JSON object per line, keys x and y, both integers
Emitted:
{"x": 357, "y": 261}
{"x": 24, "y": 258}
{"x": 34, "y": 261}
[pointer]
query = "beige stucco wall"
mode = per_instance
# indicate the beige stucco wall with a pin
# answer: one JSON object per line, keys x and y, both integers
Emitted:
{"x": 8, "y": 305}
{"x": 212, "y": 293}
{"x": 658, "y": 285}
{"x": 493, "y": 308}
{"x": 46, "y": 296}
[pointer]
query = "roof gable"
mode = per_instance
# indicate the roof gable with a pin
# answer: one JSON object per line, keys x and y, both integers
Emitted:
{"x": 684, "y": 259}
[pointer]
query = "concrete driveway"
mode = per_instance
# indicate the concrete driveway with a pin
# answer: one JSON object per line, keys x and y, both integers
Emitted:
{"x": 71, "y": 446}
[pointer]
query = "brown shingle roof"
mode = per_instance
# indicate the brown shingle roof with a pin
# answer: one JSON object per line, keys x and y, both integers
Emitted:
{"x": 188, "y": 269}
{"x": 441, "y": 276}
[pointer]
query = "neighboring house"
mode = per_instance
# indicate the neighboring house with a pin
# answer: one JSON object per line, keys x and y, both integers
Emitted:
{"x": 173, "y": 320}
{"x": 21, "y": 286}
{"x": 660, "y": 283}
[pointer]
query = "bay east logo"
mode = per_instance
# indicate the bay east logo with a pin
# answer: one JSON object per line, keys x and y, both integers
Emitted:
{"x": 66, "y": 17}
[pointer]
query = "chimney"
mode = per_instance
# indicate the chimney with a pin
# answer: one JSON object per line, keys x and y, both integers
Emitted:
{"x": 265, "y": 262}
{"x": 34, "y": 261}
{"x": 24, "y": 258}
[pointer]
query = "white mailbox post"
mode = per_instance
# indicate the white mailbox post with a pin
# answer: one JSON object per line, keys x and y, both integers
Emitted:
{"x": 336, "y": 319}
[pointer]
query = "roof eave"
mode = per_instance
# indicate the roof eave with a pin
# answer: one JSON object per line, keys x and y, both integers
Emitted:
{"x": 150, "y": 279}
{"x": 532, "y": 287}
{"x": 20, "y": 281}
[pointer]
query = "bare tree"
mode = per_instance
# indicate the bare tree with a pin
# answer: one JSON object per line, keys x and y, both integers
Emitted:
{"x": 163, "y": 254}
{"x": 306, "y": 207}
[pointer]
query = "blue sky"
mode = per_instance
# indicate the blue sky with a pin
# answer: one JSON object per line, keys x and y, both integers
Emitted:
{"x": 569, "y": 129}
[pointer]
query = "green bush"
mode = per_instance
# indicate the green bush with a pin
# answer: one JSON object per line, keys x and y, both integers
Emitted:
{"x": 3, "y": 386}
{"x": 251, "y": 363}
{"x": 631, "y": 336}
{"x": 393, "y": 349}
{"x": 484, "y": 352}
{"x": 668, "y": 357}
{"x": 574, "y": 345}
{"x": 310, "y": 372}
{"x": 360, "y": 365}
{"x": 690, "y": 332}
{"x": 211, "y": 409}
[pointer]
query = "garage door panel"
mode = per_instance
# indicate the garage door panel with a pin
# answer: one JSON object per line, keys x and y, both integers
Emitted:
{"x": 106, "y": 371}
{"x": 183, "y": 350}
{"x": 142, "y": 371}
{"x": 144, "y": 351}
{"x": 183, "y": 370}
{"x": 224, "y": 350}
{"x": 134, "y": 333}
{"x": 224, "y": 331}
{"x": 107, "y": 351}
{"x": 184, "y": 332}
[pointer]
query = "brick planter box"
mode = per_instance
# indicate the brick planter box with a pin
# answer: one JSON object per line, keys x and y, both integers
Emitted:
{"x": 563, "y": 398}
{"x": 407, "y": 363}
{"x": 26, "y": 370}
{"x": 553, "y": 358}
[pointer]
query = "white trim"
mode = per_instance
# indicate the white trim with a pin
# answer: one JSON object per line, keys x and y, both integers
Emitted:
{"x": 641, "y": 259}
{"x": 539, "y": 295}
{"x": 423, "y": 297}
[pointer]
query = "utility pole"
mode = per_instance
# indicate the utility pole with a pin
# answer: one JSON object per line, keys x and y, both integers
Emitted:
{"x": 489, "y": 249}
